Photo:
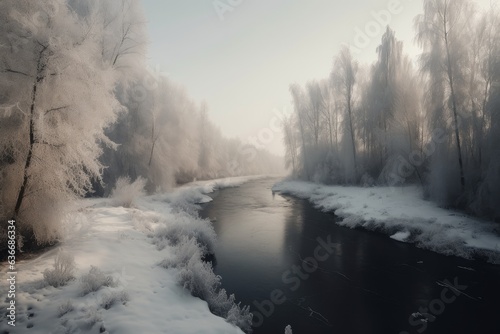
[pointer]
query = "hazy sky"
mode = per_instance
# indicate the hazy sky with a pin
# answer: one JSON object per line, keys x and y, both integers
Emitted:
{"x": 242, "y": 61}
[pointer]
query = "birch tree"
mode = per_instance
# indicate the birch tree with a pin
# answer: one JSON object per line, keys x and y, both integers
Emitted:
{"x": 441, "y": 31}
{"x": 63, "y": 96}
{"x": 344, "y": 78}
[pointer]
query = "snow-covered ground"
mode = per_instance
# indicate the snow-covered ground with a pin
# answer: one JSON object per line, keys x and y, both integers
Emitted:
{"x": 129, "y": 268}
{"x": 402, "y": 214}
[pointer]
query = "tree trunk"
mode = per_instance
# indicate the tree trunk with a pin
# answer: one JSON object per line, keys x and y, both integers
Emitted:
{"x": 39, "y": 77}
{"x": 151, "y": 154}
{"x": 153, "y": 141}
{"x": 454, "y": 103}
{"x": 349, "y": 110}
{"x": 306, "y": 167}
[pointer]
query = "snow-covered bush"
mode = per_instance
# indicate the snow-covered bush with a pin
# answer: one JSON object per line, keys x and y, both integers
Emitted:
{"x": 240, "y": 316}
{"x": 183, "y": 252}
{"x": 185, "y": 225}
{"x": 114, "y": 297}
{"x": 65, "y": 308}
{"x": 189, "y": 201}
{"x": 64, "y": 266}
{"x": 94, "y": 280}
{"x": 91, "y": 317}
{"x": 125, "y": 191}
{"x": 198, "y": 277}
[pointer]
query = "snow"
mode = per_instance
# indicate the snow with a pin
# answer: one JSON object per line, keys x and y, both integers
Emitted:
{"x": 403, "y": 214}
{"x": 401, "y": 236}
{"x": 210, "y": 186}
{"x": 143, "y": 296}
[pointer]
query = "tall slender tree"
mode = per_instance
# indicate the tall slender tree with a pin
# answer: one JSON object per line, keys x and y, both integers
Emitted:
{"x": 441, "y": 30}
{"x": 344, "y": 78}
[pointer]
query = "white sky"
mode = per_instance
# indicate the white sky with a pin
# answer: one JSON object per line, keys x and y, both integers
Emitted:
{"x": 243, "y": 65}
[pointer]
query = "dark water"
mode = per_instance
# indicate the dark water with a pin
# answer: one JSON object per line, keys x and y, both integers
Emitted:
{"x": 363, "y": 282}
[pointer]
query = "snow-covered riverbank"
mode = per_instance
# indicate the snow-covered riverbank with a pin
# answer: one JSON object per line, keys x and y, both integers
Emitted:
{"x": 402, "y": 214}
{"x": 130, "y": 265}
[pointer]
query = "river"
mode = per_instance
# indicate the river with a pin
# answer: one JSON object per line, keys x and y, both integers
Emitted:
{"x": 295, "y": 266}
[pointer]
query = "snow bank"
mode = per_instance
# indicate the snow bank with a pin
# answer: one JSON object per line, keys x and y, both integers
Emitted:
{"x": 207, "y": 187}
{"x": 135, "y": 271}
{"x": 404, "y": 215}
{"x": 401, "y": 236}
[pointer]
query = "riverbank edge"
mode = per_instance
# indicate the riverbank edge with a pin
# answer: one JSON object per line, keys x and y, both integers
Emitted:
{"x": 403, "y": 215}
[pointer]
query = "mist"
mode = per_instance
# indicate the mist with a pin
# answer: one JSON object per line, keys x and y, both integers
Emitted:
{"x": 263, "y": 142}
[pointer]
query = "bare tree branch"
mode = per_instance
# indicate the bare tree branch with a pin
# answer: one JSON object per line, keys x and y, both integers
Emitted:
{"x": 55, "y": 109}
{"x": 17, "y": 72}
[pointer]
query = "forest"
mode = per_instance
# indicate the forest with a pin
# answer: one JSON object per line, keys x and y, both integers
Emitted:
{"x": 80, "y": 108}
{"x": 434, "y": 121}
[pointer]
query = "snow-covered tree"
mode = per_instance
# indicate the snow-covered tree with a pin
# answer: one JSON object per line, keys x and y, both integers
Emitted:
{"x": 314, "y": 115}
{"x": 53, "y": 74}
{"x": 442, "y": 31}
{"x": 344, "y": 79}
{"x": 291, "y": 142}
{"x": 384, "y": 88}
{"x": 123, "y": 40}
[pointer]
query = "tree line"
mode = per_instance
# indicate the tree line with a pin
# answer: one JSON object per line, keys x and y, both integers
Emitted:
{"x": 435, "y": 122}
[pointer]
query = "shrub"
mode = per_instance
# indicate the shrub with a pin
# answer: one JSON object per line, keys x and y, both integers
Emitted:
{"x": 125, "y": 192}
{"x": 64, "y": 266}
{"x": 65, "y": 308}
{"x": 182, "y": 254}
{"x": 112, "y": 298}
{"x": 185, "y": 225}
{"x": 188, "y": 201}
{"x": 91, "y": 317}
{"x": 95, "y": 280}
{"x": 198, "y": 277}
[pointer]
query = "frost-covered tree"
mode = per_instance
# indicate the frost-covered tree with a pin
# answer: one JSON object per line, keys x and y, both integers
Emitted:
{"x": 330, "y": 113}
{"x": 314, "y": 114}
{"x": 53, "y": 74}
{"x": 157, "y": 135}
{"x": 344, "y": 79}
{"x": 210, "y": 142}
{"x": 311, "y": 133}
{"x": 383, "y": 94}
{"x": 291, "y": 142}
{"x": 442, "y": 32}
{"x": 123, "y": 40}
{"x": 299, "y": 106}
{"x": 487, "y": 120}
{"x": 390, "y": 110}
